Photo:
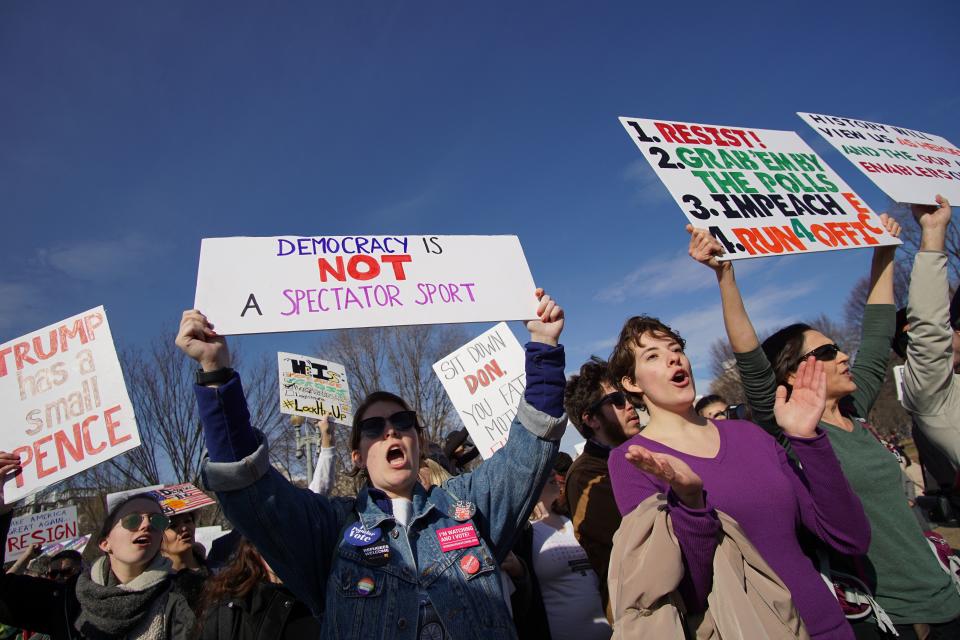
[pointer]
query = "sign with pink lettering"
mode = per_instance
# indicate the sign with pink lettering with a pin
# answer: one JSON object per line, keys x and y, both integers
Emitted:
{"x": 291, "y": 283}
{"x": 65, "y": 405}
{"x": 461, "y": 536}
{"x": 485, "y": 379}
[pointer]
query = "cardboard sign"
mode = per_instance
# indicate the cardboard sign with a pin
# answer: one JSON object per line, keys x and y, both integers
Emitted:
{"x": 909, "y": 166}
{"x": 485, "y": 380}
{"x": 314, "y": 388}
{"x": 759, "y": 192}
{"x": 181, "y": 498}
{"x": 64, "y": 403}
{"x": 289, "y": 283}
{"x": 39, "y": 528}
{"x": 72, "y": 544}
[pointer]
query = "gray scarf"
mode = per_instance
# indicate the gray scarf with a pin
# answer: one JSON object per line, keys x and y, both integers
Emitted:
{"x": 109, "y": 610}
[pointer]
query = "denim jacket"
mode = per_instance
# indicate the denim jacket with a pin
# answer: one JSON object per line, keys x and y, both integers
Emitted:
{"x": 302, "y": 534}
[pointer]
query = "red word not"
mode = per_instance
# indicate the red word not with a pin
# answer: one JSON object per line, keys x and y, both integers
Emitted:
{"x": 362, "y": 267}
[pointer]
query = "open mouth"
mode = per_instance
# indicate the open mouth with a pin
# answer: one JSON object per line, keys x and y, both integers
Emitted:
{"x": 143, "y": 540}
{"x": 680, "y": 379}
{"x": 396, "y": 458}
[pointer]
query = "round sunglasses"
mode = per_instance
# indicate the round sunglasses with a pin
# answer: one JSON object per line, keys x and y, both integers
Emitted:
{"x": 132, "y": 521}
{"x": 402, "y": 421}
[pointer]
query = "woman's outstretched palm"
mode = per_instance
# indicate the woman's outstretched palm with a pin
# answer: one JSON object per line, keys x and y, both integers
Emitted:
{"x": 800, "y": 415}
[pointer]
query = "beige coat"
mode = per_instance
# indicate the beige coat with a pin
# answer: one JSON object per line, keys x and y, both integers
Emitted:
{"x": 748, "y": 600}
{"x": 931, "y": 390}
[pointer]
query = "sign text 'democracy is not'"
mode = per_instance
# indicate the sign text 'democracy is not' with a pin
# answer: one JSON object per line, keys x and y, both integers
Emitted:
{"x": 262, "y": 285}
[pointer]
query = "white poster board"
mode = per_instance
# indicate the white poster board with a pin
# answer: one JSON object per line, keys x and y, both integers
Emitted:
{"x": 41, "y": 528}
{"x": 262, "y": 285}
{"x": 63, "y": 401}
{"x": 909, "y": 166}
{"x": 313, "y": 388}
{"x": 759, "y": 192}
{"x": 485, "y": 379}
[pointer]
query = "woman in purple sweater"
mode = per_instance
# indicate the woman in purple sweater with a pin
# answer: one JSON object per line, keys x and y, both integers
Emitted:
{"x": 734, "y": 466}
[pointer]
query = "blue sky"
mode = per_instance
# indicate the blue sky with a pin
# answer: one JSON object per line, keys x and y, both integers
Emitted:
{"x": 129, "y": 131}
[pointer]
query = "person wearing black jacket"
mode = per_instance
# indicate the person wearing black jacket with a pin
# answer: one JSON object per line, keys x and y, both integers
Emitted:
{"x": 245, "y": 601}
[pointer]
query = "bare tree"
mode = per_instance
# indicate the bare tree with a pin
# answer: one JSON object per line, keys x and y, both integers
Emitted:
{"x": 726, "y": 377}
{"x": 399, "y": 359}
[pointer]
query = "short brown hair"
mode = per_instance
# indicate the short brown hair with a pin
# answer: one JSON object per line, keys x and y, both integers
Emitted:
{"x": 622, "y": 360}
{"x": 584, "y": 389}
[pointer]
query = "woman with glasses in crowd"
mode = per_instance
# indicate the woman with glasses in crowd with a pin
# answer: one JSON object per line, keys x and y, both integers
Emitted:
{"x": 905, "y": 577}
{"x": 396, "y": 561}
{"x": 128, "y": 592}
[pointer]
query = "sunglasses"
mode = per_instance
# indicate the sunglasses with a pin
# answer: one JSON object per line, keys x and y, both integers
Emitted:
{"x": 824, "y": 353}
{"x": 616, "y": 398}
{"x": 401, "y": 421}
{"x": 132, "y": 521}
{"x": 53, "y": 574}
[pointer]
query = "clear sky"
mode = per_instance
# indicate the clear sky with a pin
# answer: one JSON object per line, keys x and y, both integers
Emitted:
{"x": 131, "y": 130}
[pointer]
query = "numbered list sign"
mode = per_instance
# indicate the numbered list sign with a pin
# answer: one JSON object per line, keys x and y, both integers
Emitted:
{"x": 759, "y": 192}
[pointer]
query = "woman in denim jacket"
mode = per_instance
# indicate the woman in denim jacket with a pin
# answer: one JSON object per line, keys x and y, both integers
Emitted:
{"x": 396, "y": 561}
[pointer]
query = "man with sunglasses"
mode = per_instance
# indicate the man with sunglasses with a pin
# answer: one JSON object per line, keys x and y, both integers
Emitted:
{"x": 931, "y": 386}
{"x": 65, "y": 566}
{"x": 606, "y": 419}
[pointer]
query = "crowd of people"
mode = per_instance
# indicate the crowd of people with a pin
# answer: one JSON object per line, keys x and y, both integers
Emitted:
{"x": 785, "y": 517}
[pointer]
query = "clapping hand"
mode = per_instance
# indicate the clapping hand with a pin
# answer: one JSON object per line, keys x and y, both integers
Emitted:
{"x": 800, "y": 415}
{"x": 682, "y": 479}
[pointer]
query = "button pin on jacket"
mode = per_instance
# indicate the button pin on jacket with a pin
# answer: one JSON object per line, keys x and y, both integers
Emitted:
{"x": 462, "y": 510}
{"x": 376, "y": 554}
{"x": 359, "y": 536}
{"x": 469, "y": 564}
{"x": 365, "y": 586}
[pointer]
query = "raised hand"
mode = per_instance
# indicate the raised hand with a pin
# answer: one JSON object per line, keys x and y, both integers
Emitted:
{"x": 705, "y": 249}
{"x": 326, "y": 431}
{"x": 549, "y": 323}
{"x": 682, "y": 479}
{"x": 934, "y": 222}
{"x": 9, "y": 463}
{"x": 800, "y": 415}
{"x": 198, "y": 340}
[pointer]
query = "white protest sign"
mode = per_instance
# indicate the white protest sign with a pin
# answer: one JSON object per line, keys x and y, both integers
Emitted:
{"x": 759, "y": 192}
{"x": 63, "y": 401}
{"x": 909, "y": 166}
{"x": 262, "y": 285}
{"x": 485, "y": 379}
{"x": 313, "y": 388}
{"x": 208, "y": 535}
{"x": 39, "y": 528}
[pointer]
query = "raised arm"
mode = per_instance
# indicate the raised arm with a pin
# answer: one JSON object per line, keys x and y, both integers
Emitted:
{"x": 870, "y": 367}
{"x": 260, "y": 502}
{"x": 756, "y": 375}
{"x": 506, "y": 487}
{"x": 325, "y": 475}
{"x": 928, "y": 371}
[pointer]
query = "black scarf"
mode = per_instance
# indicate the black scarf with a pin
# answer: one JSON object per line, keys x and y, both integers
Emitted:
{"x": 109, "y": 610}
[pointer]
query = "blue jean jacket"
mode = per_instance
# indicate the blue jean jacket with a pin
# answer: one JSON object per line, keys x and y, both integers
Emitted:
{"x": 301, "y": 534}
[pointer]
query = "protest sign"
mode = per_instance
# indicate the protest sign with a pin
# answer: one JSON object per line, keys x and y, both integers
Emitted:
{"x": 759, "y": 192}
{"x": 39, "y": 528}
{"x": 72, "y": 544}
{"x": 64, "y": 404}
{"x": 485, "y": 379}
{"x": 313, "y": 388}
{"x": 208, "y": 535}
{"x": 262, "y": 285}
{"x": 181, "y": 498}
{"x": 909, "y": 166}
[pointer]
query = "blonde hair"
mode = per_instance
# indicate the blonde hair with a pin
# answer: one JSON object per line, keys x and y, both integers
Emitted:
{"x": 438, "y": 475}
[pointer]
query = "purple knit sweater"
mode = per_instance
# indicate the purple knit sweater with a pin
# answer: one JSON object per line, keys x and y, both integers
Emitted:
{"x": 752, "y": 480}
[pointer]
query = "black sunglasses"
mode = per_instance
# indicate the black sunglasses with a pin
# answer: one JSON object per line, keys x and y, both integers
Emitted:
{"x": 824, "y": 353}
{"x": 401, "y": 421}
{"x": 53, "y": 574}
{"x": 615, "y": 398}
{"x": 132, "y": 521}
